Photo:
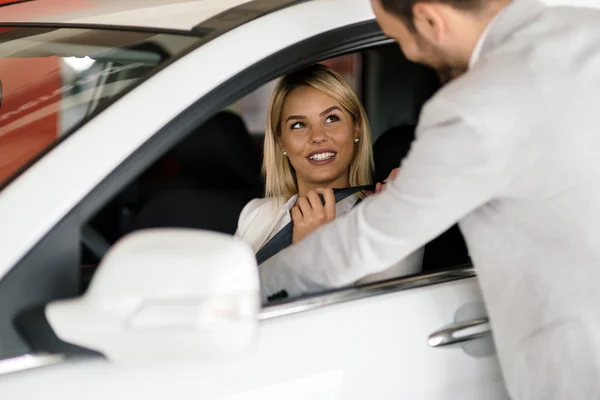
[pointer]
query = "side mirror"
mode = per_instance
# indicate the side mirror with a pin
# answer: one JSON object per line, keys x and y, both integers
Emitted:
{"x": 166, "y": 294}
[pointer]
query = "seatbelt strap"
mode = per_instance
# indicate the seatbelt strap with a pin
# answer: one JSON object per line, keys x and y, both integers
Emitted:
{"x": 283, "y": 238}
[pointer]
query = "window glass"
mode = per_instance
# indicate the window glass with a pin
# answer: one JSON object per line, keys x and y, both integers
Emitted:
{"x": 253, "y": 108}
{"x": 52, "y": 79}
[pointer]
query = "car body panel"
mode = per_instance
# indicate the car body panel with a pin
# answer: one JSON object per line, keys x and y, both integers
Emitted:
{"x": 368, "y": 348}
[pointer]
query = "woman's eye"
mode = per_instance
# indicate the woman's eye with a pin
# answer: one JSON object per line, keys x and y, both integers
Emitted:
{"x": 297, "y": 125}
{"x": 332, "y": 118}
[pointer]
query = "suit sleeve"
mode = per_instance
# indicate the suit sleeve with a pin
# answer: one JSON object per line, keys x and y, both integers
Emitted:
{"x": 451, "y": 170}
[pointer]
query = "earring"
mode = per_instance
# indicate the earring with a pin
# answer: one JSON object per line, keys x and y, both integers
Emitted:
{"x": 356, "y": 140}
{"x": 284, "y": 153}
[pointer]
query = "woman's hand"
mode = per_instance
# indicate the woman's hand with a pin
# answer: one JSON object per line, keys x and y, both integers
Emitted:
{"x": 309, "y": 213}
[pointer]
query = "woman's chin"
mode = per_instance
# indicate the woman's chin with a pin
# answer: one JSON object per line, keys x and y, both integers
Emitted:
{"x": 326, "y": 180}
{"x": 327, "y": 175}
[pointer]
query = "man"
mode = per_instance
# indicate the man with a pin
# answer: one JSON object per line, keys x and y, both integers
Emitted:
{"x": 509, "y": 150}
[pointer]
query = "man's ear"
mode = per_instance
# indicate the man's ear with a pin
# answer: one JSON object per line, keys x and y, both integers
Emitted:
{"x": 428, "y": 21}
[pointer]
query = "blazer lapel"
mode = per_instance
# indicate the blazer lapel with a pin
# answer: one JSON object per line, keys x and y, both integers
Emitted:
{"x": 278, "y": 212}
{"x": 516, "y": 15}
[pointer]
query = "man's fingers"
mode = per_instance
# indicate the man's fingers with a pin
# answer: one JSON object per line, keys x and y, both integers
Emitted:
{"x": 393, "y": 175}
{"x": 380, "y": 186}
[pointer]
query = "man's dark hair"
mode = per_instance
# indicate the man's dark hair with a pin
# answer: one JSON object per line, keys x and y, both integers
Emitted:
{"x": 403, "y": 8}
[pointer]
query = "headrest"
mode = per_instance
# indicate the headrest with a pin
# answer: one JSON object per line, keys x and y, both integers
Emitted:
{"x": 390, "y": 149}
{"x": 395, "y": 88}
{"x": 221, "y": 153}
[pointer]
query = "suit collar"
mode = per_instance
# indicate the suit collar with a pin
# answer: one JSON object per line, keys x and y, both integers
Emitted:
{"x": 518, "y": 14}
{"x": 478, "y": 46}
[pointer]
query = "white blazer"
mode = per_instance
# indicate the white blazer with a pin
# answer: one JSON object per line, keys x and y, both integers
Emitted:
{"x": 262, "y": 218}
{"x": 258, "y": 220}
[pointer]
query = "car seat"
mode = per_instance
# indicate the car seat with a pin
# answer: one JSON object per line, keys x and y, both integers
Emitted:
{"x": 221, "y": 154}
{"x": 218, "y": 171}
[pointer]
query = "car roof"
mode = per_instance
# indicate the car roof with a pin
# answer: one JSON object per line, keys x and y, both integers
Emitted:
{"x": 159, "y": 14}
{"x": 182, "y": 15}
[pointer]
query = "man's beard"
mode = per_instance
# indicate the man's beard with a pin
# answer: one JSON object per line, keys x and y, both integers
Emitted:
{"x": 447, "y": 73}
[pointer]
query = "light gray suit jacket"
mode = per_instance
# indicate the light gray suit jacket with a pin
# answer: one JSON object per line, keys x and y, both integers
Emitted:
{"x": 511, "y": 150}
{"x": 260, "y": 218}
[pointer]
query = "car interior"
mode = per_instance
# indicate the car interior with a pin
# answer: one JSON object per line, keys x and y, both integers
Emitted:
{"x": 205, "y": 180}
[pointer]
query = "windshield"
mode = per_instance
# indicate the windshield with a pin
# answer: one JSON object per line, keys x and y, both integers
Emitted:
{"x": 52, "y": 79}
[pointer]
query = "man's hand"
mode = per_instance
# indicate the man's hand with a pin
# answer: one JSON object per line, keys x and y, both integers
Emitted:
{"x": 380, "y": 186}
{"x": 309, "y": 213}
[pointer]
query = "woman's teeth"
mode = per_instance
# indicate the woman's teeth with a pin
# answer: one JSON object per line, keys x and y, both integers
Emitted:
{"x": 322, "y": 156}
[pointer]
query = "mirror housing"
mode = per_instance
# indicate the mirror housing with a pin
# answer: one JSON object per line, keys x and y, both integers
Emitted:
{"x": 166, "y": 294}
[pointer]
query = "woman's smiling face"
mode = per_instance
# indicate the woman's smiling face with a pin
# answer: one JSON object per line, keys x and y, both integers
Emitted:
{"x": 318, "y": 135}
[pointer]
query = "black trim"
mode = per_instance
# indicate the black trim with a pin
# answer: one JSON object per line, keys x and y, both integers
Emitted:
{"x": 48, "y": 272}
{"x": 122, "y": 28}
{"x": 213, "y": 27}
{"x": 55, "y": 258}
{"x": 35, "y": 329}
{"x": 242, "y": 14}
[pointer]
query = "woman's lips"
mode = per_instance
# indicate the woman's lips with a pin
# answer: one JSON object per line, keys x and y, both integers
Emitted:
{"x": 321, "y": 158}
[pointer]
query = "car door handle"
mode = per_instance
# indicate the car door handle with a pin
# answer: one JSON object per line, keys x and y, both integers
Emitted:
{"x": 460, "y": 332}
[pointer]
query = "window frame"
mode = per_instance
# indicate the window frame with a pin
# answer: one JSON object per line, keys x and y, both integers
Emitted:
{"x": 364, "y": 291}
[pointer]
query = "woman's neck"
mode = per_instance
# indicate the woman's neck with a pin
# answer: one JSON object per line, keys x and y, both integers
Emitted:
{"x": 305, "y": 187}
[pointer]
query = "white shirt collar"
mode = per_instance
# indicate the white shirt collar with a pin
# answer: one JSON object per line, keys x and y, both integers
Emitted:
{"x": 290, "y": 203}
{"x": 479, "y": 45}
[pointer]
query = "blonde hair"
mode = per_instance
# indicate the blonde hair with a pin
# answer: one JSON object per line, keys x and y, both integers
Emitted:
{"x": 279, "y": 174}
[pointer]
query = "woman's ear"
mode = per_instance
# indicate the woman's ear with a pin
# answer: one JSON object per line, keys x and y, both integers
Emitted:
{"x": 356, "y": 131}
{"x": 281, "y": 146}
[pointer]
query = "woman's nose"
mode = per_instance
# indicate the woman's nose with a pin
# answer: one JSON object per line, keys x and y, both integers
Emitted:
{"x": 318, "y": 136}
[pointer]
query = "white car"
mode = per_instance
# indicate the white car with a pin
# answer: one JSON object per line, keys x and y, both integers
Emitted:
{"x": 112, "y": 121}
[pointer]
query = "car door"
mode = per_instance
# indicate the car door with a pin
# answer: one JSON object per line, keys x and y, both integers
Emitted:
{"x": 372, "y": 342}
{"x": 367, "y": 341}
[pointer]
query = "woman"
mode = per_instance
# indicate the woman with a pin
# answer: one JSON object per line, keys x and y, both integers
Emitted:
{"x": 317, "y": 139}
